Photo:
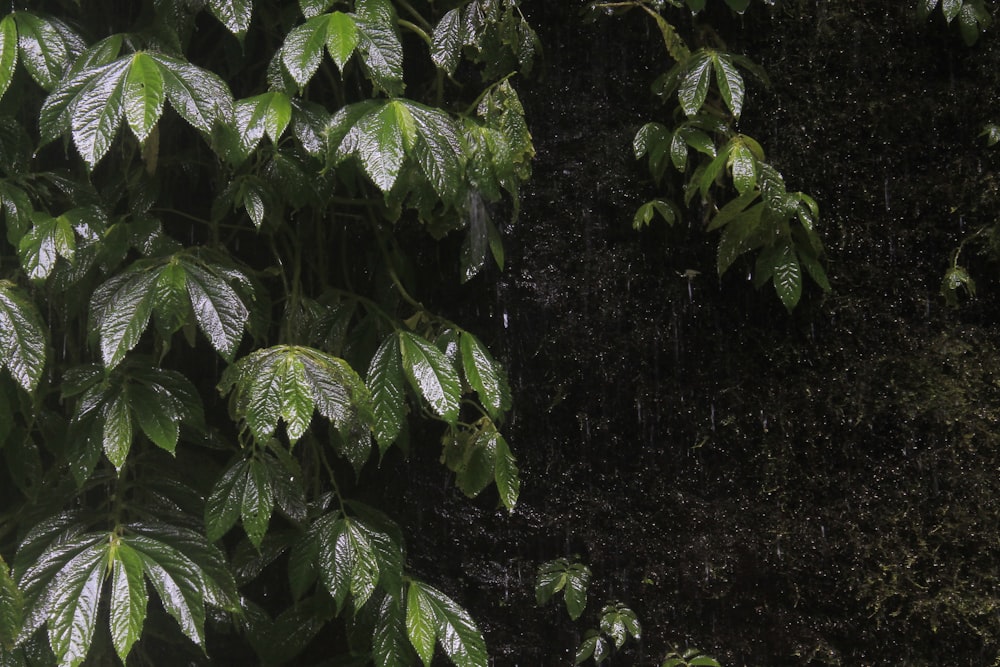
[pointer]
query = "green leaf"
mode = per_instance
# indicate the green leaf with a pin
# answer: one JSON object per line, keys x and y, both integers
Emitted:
{"x": 951, "y": 8}
{"x": 128, "y": 599}
{"x": 76, "y": 597}
{"x": 438, "y": 149}
{"x": 234, "y": 14}
{"x": 421, "y": 623}
{"x": 224, "y": 503}
{"x": 389, "y": 639}
{"x": 431, "y": 374}
{"x": 257, "y": 502}
{"x": 45, "y": 52}
{"x": 743, "y": 166}
{"x": 925, "y": 7}
{"x": 341, "y": 38}
{"x": 177, "y": 582}
{"x": 386, "y": 384}
{"x": 455, "y": 629}
{"x": 694, "y": 86}
{"x": 703, "y": 661}
{"x": 22, "y": 337}
{"x": 200, "y": 97}
{"x": 97, "y": 112}
{"x": 788, "y": 277}
{"x": 158, "y": 414}
{"x": 11, "y": 607}
{"x": 48, "y": 239}
{"x": 8, "y": 51}
{"x": 380, "y": 145}
{"x": 506, "y": 474}
{"x": 303, "y": 49}
{"x": 117, "y": 432}
{"x": 446, "y": 42}
{"x": 129, "y": 305}
{"x": 379, "y": 44}
{"x": 577, "y": 581}
{"x": 730, "y": 82}
{"x": 485, "y": 376}
{"x": 618, "y": 622}
{"x": 143, "y": 95}
{"x": 218, "y": 309}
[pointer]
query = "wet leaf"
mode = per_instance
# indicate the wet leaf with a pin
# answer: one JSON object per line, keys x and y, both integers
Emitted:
{"x": 200, "y": 97}
{"x": 951, "y": 8}
{"x": 22, "y": 337}
{"x": 788, "y": 277}
{"x": 446, "y": 49}
{"x": 128, "y": 599}
{"x": 303, "y": 49}
{"x": 143, "y": 97}
{"x": 431, "y": 374}
{"x": 694, "y": 86}
{"x": 234, "y": 14}
{"x": 485, "y": 375}
{"x": 380, "y": 145}
{"x": 8, "y": 51}
{"x": 44, "y": 50}
{"x": 453, "y": 627}
{"x": 730, "y": 82}
{"x": 158, "y": 414}
{"x": 743, "y": 167}
{"x": 76, "y": 596}
{"x": 128, "y": 305}
{"x": 223, "y": 506}
{"x": 117, "y": 432}
{"x": 257, "y": 502}
{"x": 11, "y": 608}
{"x": 218, "y": 309}
{"x": 341, "y": 38}
{"x": 97, "y": 112}
{"x": 438, "y": 149}
{"x": 379, "y": 44}
{"x": 506, "y": 474}
{"x": 386, "y": 383}
{"x": 389, "y": 639}
{"x": 421, "y": 623}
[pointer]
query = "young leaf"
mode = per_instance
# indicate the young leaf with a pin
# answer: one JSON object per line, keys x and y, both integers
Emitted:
{"x": 485, "y": 376}
{"x": 8, "y": 51}
{"x": 22, "y": 339}
{"x": 431, "y": 374}
{"x": 386, "y": 384}
{"x": 128, "y": 599}
{"x": 303, "y": 49}
{"x": 143, "y": 95}
{"x": 341, "y": 38}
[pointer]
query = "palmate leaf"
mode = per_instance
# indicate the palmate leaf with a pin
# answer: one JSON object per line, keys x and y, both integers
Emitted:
{"x": 287, "y": 383}
{"x": 431, "y": 375}
{"x": 429, "y": 610}
{"x": 22, "y": 337}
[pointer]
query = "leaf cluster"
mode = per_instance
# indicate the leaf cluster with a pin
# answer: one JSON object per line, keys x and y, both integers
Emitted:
{"x": 213, "y": 213}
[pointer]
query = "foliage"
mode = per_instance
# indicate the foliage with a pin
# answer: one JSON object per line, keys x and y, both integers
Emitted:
{"x": 973, "y": 17}
{"x": 761, "y": 216}
{"x": 691, "y": 657}
{"x": 225, "y": 204}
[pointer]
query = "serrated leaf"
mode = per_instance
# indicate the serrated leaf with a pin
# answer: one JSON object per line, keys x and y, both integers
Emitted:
{"x": 257, "y": 502}
{"x": 200, "y": 97}
{"x": 117, "y": 432}
{"x": 177, "y": 582}
{"x": 37, "y": 248}
{"x": 234, "y": 14}
{"x": 788, "y": 278}
{"x": 303, "y": 49}
{"x": 694, "y": 86}
{"x": 158, "y": 414}
{"x": 456, "y": 631}
{"x": 143, "y": 98}
{"x": 97, "y": 112}
{"x": 485, "y": 376}
{"x": 730, "y": 82}
{"x": 431, "y": 374}
{"x": 218, "y": 309}
{"x": 380, "y": 146}
{"x": 506, "y": 474}
{"x": 446, "y": 42}
{"x": 76, "y": 596}
{"x": 341, "y": 38}
{"x": 8, "y": 52}
{"x": 389, "y": 638}
{"x": 223, "y": 506}
{"x": 128, "y": 599}
{"x": 438, "y": 149}
{"x": 44, "y": 51}
{"x": 379, "y": 44}
{"x": 386, "y": 384}
{"x": 339, "y": 393}
{"x": 129, "y": 307}
{"x": 311, "y": 8}
{"x": 22, "y": 338}
{"x": 421, "y": 623}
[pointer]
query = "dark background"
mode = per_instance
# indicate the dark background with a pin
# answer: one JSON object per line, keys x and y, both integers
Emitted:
{"x": 805, "y": 489}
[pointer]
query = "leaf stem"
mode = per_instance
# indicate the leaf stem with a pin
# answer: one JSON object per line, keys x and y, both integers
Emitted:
{"x": 417, "y": 30}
